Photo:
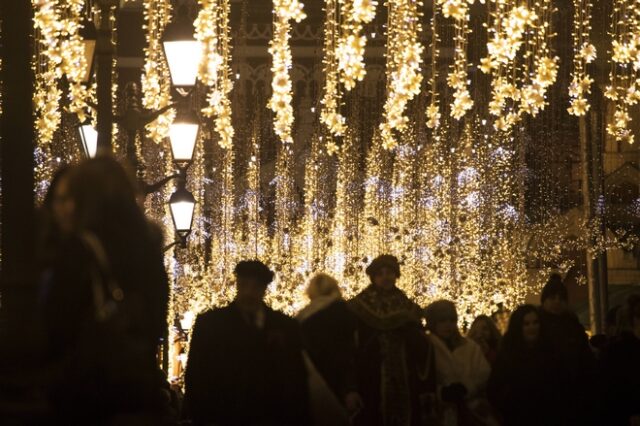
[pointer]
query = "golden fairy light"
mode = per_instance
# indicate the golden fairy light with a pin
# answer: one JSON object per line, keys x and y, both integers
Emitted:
{"x": 252, "y": 232}
{"x": 433, "y": 109}
{"x": 624, "y": 76}
{"x": 521, "y": 65}
{"x": 155, "y": 79}
{"x": 351, "y": 43}
{"x": 329, "y": 114}
{"x": 280, "y": 103}
{"x": 583, "y": 53}
{"x": 212, "y": 30}
{"x": 61, "y": 54}
{"x": 458, "y": 78}
{"x": 404, "y": 56}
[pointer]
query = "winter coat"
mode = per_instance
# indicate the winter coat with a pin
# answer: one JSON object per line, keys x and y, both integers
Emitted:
{"x": 522, "y": 387}
{"x": 621, "y": 373}
{"x": 99, "y": 369}
{"x": 328, "y": 331}
{"x": 569, "y": 346}
{"x": 465, "y": 364}
{"x": 240, "y": 374}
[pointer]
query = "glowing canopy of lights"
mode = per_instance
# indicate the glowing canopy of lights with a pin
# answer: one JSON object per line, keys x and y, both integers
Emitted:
{"x": 440, "y": 183}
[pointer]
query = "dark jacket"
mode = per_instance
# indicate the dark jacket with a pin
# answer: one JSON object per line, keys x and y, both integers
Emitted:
{"x": 239, "y": 374}
{"x": 569, "y": 345}
{"x": 621, "y": 373}
{"x": 522, "y": 387}
{"x": 329, "y": 338}
{"x": 102, "y": 368}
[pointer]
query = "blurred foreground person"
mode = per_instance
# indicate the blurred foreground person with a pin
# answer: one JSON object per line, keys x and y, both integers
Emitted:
{"x": 328, "y": 330}
{"x": 522, "y": 387}
{"x": 105, "y": 304}
{"x": 621, "y": 368}
{"x": 245, "y": 362}
{"x": 393, "y": 356}
{"x": 485, "y": 333}
{"x": 462, "y": 370}
{"x": 570, "y": 347}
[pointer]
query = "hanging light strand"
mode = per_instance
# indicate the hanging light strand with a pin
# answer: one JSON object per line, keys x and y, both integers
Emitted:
{"x": 584, "y": 53}
{"x": 213, "y": 31}
{"x": 433, "y": 110}
{"x": 458, "y": 78}
{"x": 623, "y": 88}
{"x": 330, "y": 115}
{"x": 280, "y": 103}
{"x": 60, "y": 54}
{"x": 351, "y": 43}
{"x": 404, "y": 56}
{"x": 155, "y": 79}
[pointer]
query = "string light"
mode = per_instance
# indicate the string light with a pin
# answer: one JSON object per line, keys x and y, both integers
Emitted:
{"x": 280, "y": 102}
{"x": 583, "y": 53}
{"x": 458, "y": 76}
{"x": 623, "y": 88}
{"x": 155, "y": 79}
{"x": 212, "y": 30}
{"x": 522, "y": 67}
{"x": 61, "y": 54}
{"x": 404, "y": 56}
{"x": 329, "y": 114}
{"x": 433, "y": 110}
{"x": 351, "y": 44}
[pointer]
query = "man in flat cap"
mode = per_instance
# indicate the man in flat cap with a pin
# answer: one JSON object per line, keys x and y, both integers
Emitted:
{"x": 394, "y": 357}
{"x": 245, "y": 363}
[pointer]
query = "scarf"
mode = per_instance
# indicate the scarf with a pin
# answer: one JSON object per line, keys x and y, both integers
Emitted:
{"x": 384, "y": 309}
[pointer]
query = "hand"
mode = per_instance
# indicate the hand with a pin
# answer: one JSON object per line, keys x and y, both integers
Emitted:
{"x": 634, "y": 421}
{"x": 455, "y": 392}
{"x": 353, "y": 402}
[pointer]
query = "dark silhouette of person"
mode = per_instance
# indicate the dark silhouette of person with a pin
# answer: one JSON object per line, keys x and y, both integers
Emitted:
{"x": 105, "y": 307}
{"x": 394, "y": 359}
{"x": 570, "y": 347}
{"x": 328, "y": 330}
{"x": 621, "y": 368}
{"x": 522, "y": 387}
{"x": 245, "y": 363}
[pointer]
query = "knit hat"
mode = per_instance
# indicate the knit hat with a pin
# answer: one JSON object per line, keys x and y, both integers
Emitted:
{"x": 554, "y": 287}
{"x": 383, "y": 261}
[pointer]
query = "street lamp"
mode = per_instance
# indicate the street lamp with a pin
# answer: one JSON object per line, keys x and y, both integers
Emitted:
{"x": 183, "y": 52}
{"x": 89, "y": 138}
{"x": 182, "y": 205}
{"x": 183, "y": 134}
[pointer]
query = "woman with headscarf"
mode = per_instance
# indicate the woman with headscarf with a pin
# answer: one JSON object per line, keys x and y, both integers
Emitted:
{"x": 328, "y": 332}
{"x": 393, "y": 356}
{"x": 461, "y": 369}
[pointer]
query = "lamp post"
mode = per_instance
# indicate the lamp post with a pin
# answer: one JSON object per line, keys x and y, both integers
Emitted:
{"x": 182, "y": 52}
{"x": 104, "y": 57}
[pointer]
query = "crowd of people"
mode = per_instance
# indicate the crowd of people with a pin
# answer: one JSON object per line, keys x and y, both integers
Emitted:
{"x": 378, "y": 359}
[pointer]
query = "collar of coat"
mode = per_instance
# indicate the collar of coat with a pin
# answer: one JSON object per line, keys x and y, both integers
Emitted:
{"x": 384, "y": 309}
